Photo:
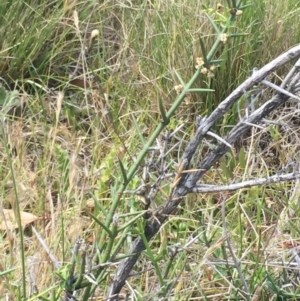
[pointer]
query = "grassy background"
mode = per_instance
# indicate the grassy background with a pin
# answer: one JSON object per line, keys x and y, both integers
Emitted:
{"x": 63, "y": 147}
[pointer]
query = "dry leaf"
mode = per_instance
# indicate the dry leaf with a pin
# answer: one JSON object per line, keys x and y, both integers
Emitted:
{"x": 9, "y": 221}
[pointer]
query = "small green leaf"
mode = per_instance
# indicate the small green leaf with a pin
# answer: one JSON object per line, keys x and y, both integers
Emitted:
{"x": 64, "y": 271}
{"x": 225, "y": 170}
{"x": 10, "y": 102}
{"x": 123, "y": 171}
{"x": 166, "y": 120}
{"x": 3, "y": 96}
{"x": 242, "y": 158}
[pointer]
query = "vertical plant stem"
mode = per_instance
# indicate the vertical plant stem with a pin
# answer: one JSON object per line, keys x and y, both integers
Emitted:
{"x": 17, "y": 212}
{"x": 117, "y": 196}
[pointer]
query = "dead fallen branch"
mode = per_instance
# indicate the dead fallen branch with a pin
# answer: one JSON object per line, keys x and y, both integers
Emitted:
{"x": 188, "y": 176}
{"x": 203, "y": 188}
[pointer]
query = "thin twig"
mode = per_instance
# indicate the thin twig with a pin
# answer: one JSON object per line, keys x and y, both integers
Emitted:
{"x": 205, "y": 188}
{"x": 55, "y": 262}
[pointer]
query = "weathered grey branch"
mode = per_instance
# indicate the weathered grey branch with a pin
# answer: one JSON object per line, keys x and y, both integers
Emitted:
{"x": 225, "y": 105}
{"x": 202, "y": 188}
{"x": 237, "y": 132}
{"x": 188, "y": 181}
{"x": 280, "y": 90}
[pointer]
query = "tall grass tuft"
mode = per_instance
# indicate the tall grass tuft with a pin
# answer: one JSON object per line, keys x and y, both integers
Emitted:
{"x": 89, "y": 106}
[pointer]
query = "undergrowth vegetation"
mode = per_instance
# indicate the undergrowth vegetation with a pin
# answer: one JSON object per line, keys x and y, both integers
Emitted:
{"x": 82, "y": 85}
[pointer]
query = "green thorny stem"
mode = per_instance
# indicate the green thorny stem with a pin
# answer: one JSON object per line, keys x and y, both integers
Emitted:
{"x": 116, "y": 197}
